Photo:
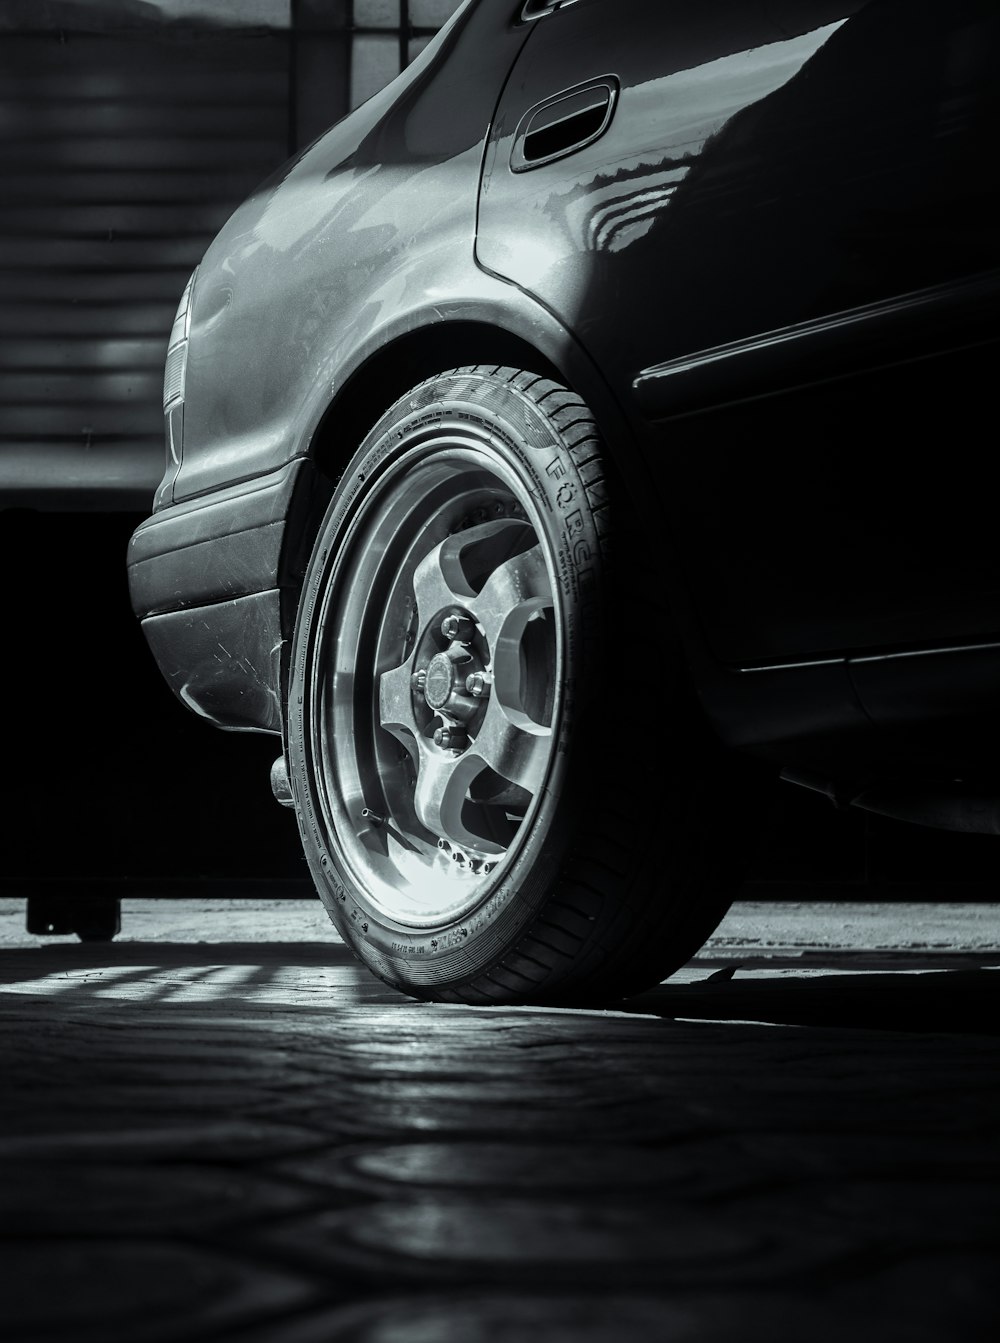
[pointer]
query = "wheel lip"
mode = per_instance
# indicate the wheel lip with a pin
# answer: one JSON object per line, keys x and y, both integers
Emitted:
{"x": 415, "y": 447}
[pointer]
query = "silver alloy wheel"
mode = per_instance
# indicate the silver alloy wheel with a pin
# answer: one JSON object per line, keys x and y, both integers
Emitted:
{"x": 437, "y": 673}
{"x": 453, "y": 748}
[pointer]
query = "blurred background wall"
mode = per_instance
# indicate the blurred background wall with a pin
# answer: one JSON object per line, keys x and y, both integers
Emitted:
{"x": 130, "y": 129}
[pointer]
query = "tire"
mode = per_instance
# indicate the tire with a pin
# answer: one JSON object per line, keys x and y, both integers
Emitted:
{"x": 555, "y": 840}
{"x": 94, "y": 918}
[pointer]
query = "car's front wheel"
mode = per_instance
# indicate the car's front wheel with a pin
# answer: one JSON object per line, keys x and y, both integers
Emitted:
{"x": 503, "y": 787}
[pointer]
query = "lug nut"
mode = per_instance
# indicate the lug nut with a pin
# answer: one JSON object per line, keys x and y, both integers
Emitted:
{"x": 419, "y": 679}
{"x": 451, "y": 738}
{"x": 478, "y": 684}
{"x": 457, "y": 627}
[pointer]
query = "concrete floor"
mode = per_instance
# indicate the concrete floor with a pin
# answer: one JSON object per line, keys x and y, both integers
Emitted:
{"x": 219, "y": 1127}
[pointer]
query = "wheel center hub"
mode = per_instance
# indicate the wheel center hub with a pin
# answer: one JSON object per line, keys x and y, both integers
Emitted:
{"x": 440, "y": 681}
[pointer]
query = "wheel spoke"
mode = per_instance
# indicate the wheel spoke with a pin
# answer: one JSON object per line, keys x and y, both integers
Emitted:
{"x": 513, "y": 747}
{"x": 438, "y": 580}
{"x": 521, "y": 583}
{"x": 441, "y": 793}
{"x": 457, "y": 566}
{"x": 395, "y": 702}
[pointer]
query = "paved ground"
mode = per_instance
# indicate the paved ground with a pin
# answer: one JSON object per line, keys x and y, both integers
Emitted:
{"x": 220, "y": 1128}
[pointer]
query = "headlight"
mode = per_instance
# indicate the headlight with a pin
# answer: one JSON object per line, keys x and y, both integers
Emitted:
{"x": 173, "y": 377}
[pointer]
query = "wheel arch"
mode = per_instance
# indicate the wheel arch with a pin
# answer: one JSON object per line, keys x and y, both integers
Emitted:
{"x": 401, "y": 362}
{"x": 371, "y": 388}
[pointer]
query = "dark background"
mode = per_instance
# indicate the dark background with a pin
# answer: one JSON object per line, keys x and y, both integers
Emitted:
{"x": 129, "y": 130}
{"x": 128, "y": 136}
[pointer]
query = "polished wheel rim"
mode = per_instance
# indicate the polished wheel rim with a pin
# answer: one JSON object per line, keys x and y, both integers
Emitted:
{"x": 436, "y": 686}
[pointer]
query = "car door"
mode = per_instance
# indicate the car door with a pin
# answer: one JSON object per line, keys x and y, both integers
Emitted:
{"x": 773, "y": 226}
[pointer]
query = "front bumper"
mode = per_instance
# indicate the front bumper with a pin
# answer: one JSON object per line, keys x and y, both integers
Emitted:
{"x": 207, "y": 578}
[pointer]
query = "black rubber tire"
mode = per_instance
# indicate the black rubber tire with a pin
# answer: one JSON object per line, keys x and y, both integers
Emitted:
{"x": 98, "y": 919}
{"x": 633, "y": 855}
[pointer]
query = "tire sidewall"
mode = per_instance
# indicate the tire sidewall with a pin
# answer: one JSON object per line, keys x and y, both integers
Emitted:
{"x": 502, "y": 413}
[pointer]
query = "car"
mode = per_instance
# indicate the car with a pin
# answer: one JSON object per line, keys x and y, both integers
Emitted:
{"x": 586, "y": 429}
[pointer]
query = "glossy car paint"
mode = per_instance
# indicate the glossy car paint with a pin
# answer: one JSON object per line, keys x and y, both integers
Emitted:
{"x": 763, "y": 169}
{"x": 769, "y": 166}
{"x": 369, "y": 233}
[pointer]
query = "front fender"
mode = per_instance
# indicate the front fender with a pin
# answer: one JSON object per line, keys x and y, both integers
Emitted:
{"x": 374, "y": 222}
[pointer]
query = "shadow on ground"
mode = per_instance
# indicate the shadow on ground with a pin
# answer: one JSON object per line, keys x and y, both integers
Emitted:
{"x": 927, "y": 992}
{"x": 954, "y": 998}
{"x": 260, "y": 1142}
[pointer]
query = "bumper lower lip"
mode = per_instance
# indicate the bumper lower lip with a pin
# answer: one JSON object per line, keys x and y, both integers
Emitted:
{"x": 214, "y": 548}
{"x": 205, "y": 578}
{"x": 225, "y": 662}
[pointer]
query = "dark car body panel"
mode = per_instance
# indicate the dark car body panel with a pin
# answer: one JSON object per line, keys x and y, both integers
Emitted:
{"x": 795, "y": 205}
{"x": 838, "y": 162}
{"x": 211, "y": 576}
{"x": 225, "y": 544}
{"x": 225, "y": 661}
{"x": 759, "y": 238}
